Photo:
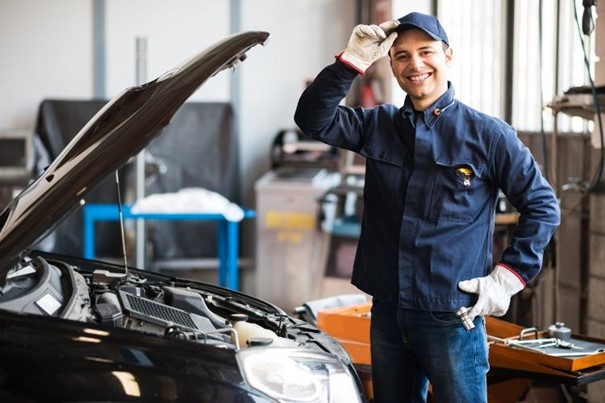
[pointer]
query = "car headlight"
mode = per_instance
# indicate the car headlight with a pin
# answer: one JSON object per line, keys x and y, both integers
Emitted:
{"x": 292, "y": 375}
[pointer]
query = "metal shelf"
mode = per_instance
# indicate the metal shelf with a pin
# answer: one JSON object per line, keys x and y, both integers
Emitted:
{"x": 581, "y": 105}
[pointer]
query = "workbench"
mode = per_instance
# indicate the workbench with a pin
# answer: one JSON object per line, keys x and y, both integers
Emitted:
{"x": 512, "y": 371}
{"x": 227, "y": 236}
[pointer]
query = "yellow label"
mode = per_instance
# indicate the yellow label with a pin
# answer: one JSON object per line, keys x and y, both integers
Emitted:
{"x": 288, "y": 220}
{"x": 465, "y": 171}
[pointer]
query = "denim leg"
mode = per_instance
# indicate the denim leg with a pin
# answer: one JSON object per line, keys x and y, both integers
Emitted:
{"x": 411, "y": 348}
{"x": 396, "y": 374}
{"x": 454, "y": 359}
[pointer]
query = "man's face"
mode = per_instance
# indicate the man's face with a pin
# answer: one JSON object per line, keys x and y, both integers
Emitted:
{"x": 420, "y": 66}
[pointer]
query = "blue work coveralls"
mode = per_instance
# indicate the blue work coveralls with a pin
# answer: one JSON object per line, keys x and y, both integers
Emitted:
{"x": 431, "y": 184}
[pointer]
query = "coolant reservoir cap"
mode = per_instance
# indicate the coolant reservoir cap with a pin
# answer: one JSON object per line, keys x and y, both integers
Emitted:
{"x": 259, "y": 341}
{"x": 238, "y": 317}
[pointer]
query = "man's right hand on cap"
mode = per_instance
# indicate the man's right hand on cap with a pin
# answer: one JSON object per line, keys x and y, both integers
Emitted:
{"x": 369, "y": 43}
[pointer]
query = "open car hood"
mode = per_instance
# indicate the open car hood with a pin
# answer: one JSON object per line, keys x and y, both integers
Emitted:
{"x": 117, "y": 132}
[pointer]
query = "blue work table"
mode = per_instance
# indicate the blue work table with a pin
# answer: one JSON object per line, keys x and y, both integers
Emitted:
{"x": 227, "y": 237}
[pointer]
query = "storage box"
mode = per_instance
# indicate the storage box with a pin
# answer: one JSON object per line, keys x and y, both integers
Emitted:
{"x": 350, "y": 325}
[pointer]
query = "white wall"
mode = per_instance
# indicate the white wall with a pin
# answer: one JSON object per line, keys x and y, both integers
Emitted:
{"x": 305, "y": 37}
{"x": 174, "y": 30}
{"x": 47, "y": 51}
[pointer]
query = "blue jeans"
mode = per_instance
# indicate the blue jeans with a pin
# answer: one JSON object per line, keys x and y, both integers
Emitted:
{"x": 412, "y": 348}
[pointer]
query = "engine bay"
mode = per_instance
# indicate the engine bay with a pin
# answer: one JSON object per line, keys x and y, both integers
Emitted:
{"x": 151, "y": 303}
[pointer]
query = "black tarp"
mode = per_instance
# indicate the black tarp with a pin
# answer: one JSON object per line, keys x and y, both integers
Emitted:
{"x": 197, "y": 149}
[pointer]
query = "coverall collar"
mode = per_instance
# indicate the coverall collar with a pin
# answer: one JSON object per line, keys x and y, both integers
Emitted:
{"x": 433, "y": 112}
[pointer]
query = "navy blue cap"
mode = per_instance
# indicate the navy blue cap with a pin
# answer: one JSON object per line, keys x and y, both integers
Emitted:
{"x": 428, "y": 23}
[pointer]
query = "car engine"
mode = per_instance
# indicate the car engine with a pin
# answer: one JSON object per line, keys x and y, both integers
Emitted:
{"x": 151, "y": 303}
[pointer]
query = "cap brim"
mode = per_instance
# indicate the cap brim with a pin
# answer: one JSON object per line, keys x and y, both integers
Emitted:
{"x": 407, "y": 25}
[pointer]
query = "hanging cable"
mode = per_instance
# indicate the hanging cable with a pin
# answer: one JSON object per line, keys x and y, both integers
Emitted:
{"x": 587, "y": 22}
{"x": 540, "y": 66}
{"x": 589, "y": 26}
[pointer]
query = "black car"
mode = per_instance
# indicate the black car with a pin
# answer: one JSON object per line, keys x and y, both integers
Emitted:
{"x": 75, "y": 330}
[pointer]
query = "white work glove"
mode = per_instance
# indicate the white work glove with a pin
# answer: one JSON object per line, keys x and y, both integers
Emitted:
{"x": 369, "y": 43}
{"x": 495, "y": 291}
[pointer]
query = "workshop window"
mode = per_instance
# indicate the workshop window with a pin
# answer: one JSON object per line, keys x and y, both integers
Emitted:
{"x": 478, "y": 33}
{"x": 562, "y": 64}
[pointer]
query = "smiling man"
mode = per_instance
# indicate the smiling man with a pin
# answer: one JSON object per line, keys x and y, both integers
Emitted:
{"x": 434, "y": 168}
{"x": 420, "y": 65}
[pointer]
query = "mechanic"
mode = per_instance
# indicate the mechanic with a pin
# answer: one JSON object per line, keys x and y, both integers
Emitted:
{"x": 434, "y": 168}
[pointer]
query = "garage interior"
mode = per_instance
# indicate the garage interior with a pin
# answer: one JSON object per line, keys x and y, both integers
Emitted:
{"x": 539, "y": 66}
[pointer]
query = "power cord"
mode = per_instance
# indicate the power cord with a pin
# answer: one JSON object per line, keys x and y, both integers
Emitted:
{"x": 541, "y": 63}
{"x": 587, "y": 28}
{"x": 587, "y": 22}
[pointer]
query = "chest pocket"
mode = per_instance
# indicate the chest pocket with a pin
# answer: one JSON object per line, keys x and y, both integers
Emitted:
{"x": 384, "y": 176}
{"x": 459, "y": 191}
